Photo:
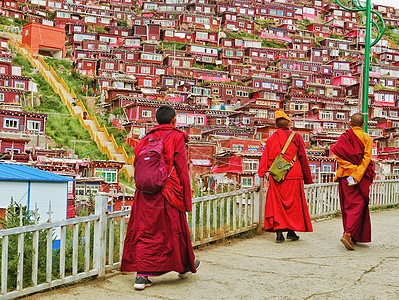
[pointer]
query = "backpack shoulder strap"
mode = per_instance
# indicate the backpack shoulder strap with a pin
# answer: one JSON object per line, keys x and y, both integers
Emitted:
{"x": 166, "y": 135}
{"x": 287, "y": 143}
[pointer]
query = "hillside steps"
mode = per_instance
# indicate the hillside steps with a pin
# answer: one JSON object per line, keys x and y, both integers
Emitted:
{"x": 99, "y": 134}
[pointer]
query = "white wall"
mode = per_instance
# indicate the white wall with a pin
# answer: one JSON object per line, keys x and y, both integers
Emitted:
{"x": 18, "y": 190}
{"x": 43, "y": 192}
{"x": 40, "y": 192}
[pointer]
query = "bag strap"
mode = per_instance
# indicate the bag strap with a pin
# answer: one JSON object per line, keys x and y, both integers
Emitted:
{"x": 151, "y": 139}
{"x": 166, "y": 135}
{"x": 287, "y": 143}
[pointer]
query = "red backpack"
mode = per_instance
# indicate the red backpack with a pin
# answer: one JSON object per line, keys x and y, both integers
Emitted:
{"x": 150, "y": 172}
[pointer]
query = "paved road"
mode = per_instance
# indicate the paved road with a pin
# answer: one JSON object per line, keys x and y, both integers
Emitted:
{"x": 315, "y": 267}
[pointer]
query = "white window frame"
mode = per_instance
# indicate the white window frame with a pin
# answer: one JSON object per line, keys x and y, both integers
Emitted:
{"x": 33, "y": 125}
{"x": 146, "y": 113}
{"x": 10, "y": 123}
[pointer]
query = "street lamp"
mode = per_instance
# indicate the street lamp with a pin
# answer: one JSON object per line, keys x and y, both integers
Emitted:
{"x": 368, "y": 45}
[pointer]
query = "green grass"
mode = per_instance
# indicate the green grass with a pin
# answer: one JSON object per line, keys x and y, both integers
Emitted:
{"x": 61, "y": 126}
{"x": 273, "y": 44}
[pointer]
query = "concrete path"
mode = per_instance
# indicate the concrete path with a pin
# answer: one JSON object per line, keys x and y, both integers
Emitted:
{"x": 315, "y": 267}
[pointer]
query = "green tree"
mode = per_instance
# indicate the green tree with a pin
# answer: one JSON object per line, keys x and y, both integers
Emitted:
{"x": 16, "y": 213}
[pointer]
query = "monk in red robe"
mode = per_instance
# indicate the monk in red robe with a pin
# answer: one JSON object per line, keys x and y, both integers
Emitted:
{"x": 355, "y": 174}
{"x": 158, "y": 238}
{"x": 286, "y": 208}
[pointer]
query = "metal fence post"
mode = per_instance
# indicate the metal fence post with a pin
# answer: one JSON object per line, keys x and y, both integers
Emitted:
{"x": 100, "y": 235}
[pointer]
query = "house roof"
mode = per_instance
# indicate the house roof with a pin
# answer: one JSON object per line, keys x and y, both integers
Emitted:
{"x": 17, "y": 172}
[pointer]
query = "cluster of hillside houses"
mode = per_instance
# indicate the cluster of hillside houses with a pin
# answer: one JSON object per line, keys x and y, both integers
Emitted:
{"x": 226, "y": 66}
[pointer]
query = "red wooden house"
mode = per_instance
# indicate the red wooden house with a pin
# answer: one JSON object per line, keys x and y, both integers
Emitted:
{"x": 175, "y": 35}
{"x": 231, "y": 56}
{"x": 239, "y": 167}
{"x": 86, "y": 66}
{"x": 125, "y": 55}
{"x": 19, "y": 124}
{"x": 151, "y": 58}
{"x": 279, "y": 13}
{"x": 232, "y": 22}
{"x": 229, "y": 94}
{"x": 94, "y": 45}
{"x": 202, "y": 21}
{"x": 108, "y": 66}
{"x": 200, "y": 156}
{"x": 13, "y": 145}
{"x": 320, "y": 30}
{"x": 178, "y": 61}
{"x": 203, "y": 54}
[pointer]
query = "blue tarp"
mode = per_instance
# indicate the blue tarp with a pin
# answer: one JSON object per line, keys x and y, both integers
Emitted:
{"x": 17, "y": 172}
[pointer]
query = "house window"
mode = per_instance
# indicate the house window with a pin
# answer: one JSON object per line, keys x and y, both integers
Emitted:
{"x": 33, "y": 125}
{"x": 130, "y": 69}
{"x": 327, "y": 168}
{"x": 215, "y": 90}
{"x": 169, "y": 82}
{"x": 109, "y": 66}
{"x": 130, "y": 56}
{"x": 229, "y": 92}
{"x": 340, "y": 116}
{"x": 147, "y": 82}
{"x": 305, "y": 137}
{"x": 326, "y": 115}
{"x": 181, "y": 119}
{"x": 1, "y": 97}
{"x": 110, "y": 175}
{"x": 20, "y": 85}
{"x": 146, "y": 113}
{"x": 330, "y": 125}
{"x": 9, "y": 123}
{"x": 241, "y": 94}
{"x": 246, "y": 120}
{"x": 246, "y": 181}
{"x": 80, "y": 190}
{"x": 146, "y": 70}
{"x": 250, "y": 165}
{"x": 200, "y": 120}
{"x": 218, "y": 121}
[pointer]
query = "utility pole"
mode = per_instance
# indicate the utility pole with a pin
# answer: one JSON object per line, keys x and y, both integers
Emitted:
{"x": 368, "y": 45}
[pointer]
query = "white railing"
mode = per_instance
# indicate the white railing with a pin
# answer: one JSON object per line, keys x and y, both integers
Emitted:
{"x": 323, "y": 198}
{"x": 84, "y": 252}
{"x": 217, "y": 216}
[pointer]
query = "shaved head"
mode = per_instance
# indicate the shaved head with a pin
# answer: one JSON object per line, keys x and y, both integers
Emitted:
{"x": 357, "y": 120}
{"x": 281, "y": 122}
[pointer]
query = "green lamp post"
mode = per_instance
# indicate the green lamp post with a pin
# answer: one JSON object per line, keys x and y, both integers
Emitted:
{"x": 368, "y": 45}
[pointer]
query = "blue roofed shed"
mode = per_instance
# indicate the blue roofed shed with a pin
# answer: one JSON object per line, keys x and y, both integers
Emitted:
{"x": 27, "y": 185}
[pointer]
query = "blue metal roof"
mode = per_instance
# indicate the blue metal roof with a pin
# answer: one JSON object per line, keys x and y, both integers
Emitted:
{"x": 17, "y": 172}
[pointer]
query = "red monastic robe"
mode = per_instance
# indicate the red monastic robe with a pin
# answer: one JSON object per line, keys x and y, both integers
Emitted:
{"x": 286, "y": 206}
{"x": 354, "y": 199}
{"x": 157, "y": 237}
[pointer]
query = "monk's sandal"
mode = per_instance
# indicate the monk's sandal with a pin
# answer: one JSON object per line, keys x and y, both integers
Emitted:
{"x": 185, "y": 274}
{"x": 142, "y": 282}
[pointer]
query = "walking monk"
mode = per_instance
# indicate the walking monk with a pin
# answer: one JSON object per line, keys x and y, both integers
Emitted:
{"x": 286, "y": 208}
{"x": 355, "y": 174}
{"x": 157, "y": 238}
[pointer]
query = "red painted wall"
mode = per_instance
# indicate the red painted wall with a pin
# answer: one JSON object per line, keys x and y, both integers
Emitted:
{"x": 35, "y": 35}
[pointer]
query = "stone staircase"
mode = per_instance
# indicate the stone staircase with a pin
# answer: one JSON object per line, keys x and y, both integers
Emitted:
{"x": 105, "y": 142}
